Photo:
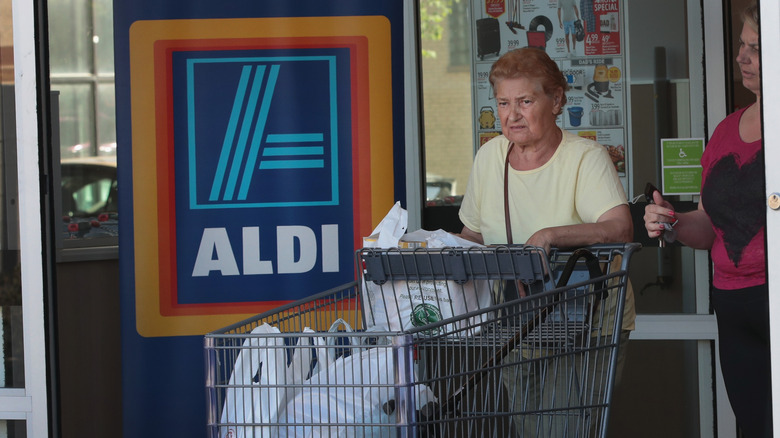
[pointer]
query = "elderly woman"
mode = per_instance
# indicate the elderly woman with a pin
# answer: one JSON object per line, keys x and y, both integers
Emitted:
{"x": 539, "y": 184}
{"x": 562, "y": 190}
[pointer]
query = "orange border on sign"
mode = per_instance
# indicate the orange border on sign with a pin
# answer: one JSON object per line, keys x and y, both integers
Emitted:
{"x": 151, "y": 43}
{"x": 169, "y": 305}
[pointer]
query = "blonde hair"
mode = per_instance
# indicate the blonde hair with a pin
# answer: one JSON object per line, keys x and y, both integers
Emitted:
{"x": 750, "y": 16}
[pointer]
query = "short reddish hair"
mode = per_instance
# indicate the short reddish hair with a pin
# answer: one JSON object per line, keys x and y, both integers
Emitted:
{"x": 530, "y": 62}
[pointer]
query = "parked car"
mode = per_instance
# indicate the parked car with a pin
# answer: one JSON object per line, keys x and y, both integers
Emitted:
{"x": 440, "y": 191}
{"x": 89, "y": 202}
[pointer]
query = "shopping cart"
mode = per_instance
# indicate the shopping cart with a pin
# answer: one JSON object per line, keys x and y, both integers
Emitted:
{"x": 540, "y": 365}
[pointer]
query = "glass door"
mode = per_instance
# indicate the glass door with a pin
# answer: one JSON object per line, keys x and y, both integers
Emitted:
{"x": 671, "y": 93}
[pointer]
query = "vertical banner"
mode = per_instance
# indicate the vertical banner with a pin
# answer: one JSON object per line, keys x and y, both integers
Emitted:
{"x": 258, "y": 143}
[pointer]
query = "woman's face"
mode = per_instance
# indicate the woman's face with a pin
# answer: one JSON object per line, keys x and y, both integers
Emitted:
{"x": 527, "y": 114}
{"x": 748, "y": 59}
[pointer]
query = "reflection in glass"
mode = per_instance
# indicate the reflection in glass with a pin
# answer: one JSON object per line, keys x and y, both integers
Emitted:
{"x": 76, "y": 115}
{"x": 89, "y": 197}
{"x": 106, "y": 120}
{"x": 71, "y": 36}
{"x": 13, "y": 429}
{"x": 446, "y": 85}
{"x": 82, "y": 71}
{"x": 103, "y": 37}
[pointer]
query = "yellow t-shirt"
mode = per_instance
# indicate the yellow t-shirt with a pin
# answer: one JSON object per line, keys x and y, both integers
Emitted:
{"x": 577, "y": 185}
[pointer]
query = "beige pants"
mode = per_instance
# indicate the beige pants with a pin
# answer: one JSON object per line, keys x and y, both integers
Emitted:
{"x": 553, "y": 394}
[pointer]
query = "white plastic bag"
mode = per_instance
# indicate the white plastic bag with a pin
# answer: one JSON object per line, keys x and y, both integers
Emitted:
{"x": 258, "y": 386}
{"x": 325, "y": 347}
{"x": 352, "y": 391}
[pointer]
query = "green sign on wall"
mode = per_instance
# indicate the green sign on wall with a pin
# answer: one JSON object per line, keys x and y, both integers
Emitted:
{"x": 681, "y": 158}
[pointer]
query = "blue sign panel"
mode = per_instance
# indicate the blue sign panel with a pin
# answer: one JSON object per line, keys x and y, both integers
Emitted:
{"x": 257, "y": 143}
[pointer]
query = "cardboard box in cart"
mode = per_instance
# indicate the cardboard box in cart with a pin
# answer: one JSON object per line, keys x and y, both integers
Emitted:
{"x": 370, "y": 242}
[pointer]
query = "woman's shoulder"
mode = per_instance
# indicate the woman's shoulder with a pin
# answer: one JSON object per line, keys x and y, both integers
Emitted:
{"x": 495, "y": 146}
{"x": 575, "y": 143}
{"x": 731, "y": 121}
{"x": 727, "y": 130}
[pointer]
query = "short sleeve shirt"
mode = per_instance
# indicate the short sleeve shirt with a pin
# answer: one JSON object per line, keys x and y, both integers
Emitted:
{"x": 577, "y": 185}
{"x": 732, "y": 194}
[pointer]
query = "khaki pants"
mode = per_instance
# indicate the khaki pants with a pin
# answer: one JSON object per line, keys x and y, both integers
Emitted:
{"x": 551, "y": 393}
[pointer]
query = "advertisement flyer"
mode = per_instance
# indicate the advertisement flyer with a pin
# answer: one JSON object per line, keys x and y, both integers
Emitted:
{"x": 583, "y": 37}
{"x": 595, "y": 96}
{"x": 563, "y": 28}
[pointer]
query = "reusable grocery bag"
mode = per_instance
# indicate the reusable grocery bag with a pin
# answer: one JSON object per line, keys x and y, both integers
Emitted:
{"x": 405, "y": 304}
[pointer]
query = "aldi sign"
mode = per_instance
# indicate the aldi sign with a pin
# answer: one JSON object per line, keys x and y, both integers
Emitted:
{"x": 257, "y": 143}
{"x": 265, "y": 150}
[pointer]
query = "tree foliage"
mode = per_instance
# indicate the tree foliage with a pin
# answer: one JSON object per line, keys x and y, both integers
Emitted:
{"x": 432, "y": 15}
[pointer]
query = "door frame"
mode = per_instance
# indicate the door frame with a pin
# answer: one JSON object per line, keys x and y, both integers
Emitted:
{"x": 30, "y": 403}
{"x": 770, "y": 62}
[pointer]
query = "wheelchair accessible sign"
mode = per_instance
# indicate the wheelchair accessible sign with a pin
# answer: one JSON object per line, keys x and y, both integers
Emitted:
{"x": 681, "y": 159}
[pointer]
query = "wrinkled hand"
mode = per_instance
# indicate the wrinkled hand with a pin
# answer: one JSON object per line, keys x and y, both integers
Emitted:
{"x": 542, "y": 239}
{"x": 657, "y": 214}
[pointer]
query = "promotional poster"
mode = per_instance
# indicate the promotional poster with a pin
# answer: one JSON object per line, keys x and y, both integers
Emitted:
{"x": 584, "y": 37}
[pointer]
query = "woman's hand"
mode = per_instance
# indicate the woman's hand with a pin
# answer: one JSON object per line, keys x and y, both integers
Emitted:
{"x": 657, "y": 214}
{"x": 542, "y": 238}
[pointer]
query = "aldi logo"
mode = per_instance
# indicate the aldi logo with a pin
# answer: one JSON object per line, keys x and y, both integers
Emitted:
{"x": 282, "y": 126}
{"x": 260, "y": 157}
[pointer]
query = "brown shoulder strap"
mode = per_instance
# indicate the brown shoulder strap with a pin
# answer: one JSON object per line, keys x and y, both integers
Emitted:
{"x": 506, "y": 195}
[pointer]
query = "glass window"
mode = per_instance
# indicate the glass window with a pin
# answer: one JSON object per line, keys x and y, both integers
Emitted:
{"x": 103, "y": 37}
{"x": 70, "y": 37}
{"x": 106, "y": 119}
{"x": 446, "y": 86}
{"x": 76, "y": 120}
{"x": 13, "y": 428}
{"x": 82, "y": 76}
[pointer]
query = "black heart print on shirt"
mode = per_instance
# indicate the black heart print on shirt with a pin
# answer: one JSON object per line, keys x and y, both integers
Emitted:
{"x": 733, "y": 197}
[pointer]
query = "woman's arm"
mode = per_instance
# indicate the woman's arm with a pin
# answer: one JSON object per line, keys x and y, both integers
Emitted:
{"x": 469, "y": 234}
{"x": 615, "y": 225}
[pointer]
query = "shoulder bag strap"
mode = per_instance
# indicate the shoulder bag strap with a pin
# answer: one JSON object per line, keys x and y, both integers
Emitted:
{"x": 506, "y": 195}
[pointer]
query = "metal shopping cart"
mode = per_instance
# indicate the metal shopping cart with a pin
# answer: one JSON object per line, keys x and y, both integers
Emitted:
{"x": 413, "y": 348}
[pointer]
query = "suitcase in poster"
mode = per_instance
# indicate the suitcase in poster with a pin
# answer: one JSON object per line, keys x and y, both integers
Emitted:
{"x": 488, "y": 37}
